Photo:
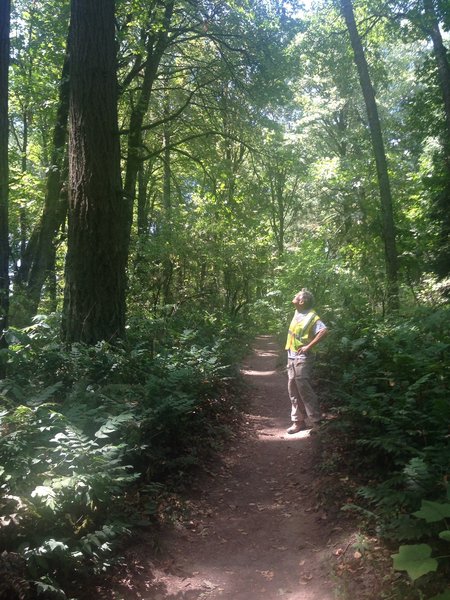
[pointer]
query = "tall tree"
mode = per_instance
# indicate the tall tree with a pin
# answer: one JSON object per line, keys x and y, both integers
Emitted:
{"x": 94, "y": 300}
{"x": 5, "y": 11}
{"x": 37, "y": 258}
{"x": 428, "y": 17}
{"x": 282, "y": 180}
{"x": 440, "y": 53}
{"x": 442, "y": 204}
{"x": 156, "y": 42}
{"x": 379, "y": 153}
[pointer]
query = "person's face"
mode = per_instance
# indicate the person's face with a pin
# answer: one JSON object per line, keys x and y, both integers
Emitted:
{"x": 298, "y": 300}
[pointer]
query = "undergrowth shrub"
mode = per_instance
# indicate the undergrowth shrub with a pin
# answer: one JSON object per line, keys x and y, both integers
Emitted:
{"x": 84, "y": 430}
{"x": 423, "y": 559}
{"x": 388, "y": 382}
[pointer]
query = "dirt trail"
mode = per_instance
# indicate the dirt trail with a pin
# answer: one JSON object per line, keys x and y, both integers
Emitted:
{"x": 256, "y": 533}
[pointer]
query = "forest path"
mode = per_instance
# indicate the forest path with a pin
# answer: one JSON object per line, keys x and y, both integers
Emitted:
{"x": 255, "y": 530}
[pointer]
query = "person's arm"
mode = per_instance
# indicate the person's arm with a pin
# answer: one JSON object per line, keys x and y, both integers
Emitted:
{"x": 321, "y": 334}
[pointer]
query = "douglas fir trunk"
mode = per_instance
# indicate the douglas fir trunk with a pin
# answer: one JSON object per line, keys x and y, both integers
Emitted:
{"x": 94, "y": 302}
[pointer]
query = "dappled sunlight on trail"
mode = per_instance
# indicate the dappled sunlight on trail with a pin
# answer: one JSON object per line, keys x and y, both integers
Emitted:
{"x": 256, "y": 530}
{"x": 258, "y": 373}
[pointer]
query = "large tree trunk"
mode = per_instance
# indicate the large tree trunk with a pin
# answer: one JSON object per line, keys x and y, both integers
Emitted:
{"x": 5, "y": 11}
{"x": 390, "y": 249}
{"x": 94, "y": 300}
{"x": 442, "y": 202}
{"x": 38, "y": 257}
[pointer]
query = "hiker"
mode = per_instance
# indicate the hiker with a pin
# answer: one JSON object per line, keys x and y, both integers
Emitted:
{"x": 305, "y": 330}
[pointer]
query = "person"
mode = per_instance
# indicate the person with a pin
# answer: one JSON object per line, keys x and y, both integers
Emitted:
{"x": 305, "y": 331}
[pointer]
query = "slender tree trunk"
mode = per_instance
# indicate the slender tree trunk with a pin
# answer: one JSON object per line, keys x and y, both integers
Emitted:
{"x": 167, "y": 229}
{"x": 278, "y": 193}
{"x": 142, "y": 209}
{"x": 390, "y": 249}
{"x": 24, "y": 163}
{"x": 440, "y": 53}
{"x": 442, "y": 202}
{"x": 38, "y": 257}
{"x": 52, "y": 283}
{"x": 156, "y": 46}
{"x": 5, "y": 11}
{"x": 94, "y": 298}
{"x": 145, "y": 219}
{"x": 167, "y": 191}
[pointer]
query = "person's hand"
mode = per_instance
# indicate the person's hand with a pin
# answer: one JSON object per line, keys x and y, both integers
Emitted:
{"x": 303, "y": 350}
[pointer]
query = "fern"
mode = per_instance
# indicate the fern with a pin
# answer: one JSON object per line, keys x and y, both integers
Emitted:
{"x": 80, "y": 426}
{"x": 393, "y": 403}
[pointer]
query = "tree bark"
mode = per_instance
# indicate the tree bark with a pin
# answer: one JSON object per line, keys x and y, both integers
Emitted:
{"x": 94, "y": 297}
{"x": 388, "y": 227}
{"x": 5, "y": 11}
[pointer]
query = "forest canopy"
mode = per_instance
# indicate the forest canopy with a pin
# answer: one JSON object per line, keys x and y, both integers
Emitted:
{"x": 244, "y": 126}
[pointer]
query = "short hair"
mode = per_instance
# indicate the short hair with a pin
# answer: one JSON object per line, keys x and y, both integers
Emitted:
{"x": 308, "y": 298}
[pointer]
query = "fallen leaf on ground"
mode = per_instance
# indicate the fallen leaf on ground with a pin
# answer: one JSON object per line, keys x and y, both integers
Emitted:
{"x": 267, "y": 575}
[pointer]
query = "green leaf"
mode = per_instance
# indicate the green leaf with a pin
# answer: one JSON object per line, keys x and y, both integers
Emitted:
{"x": 56, "y": 545}
{"x": 47, "y": 494}
{"x": 42, "y": 491}
{"x": 445, "y": 535}
{"x": 433, "y": 511}
{"x": 415, "y": 559}
{"x": 444, "y": 596}
{"x": 113, "y": 424}
{"x": 45, "y": 588}
{"x": 45, "y": 394}
{"x": 62, "y": 482}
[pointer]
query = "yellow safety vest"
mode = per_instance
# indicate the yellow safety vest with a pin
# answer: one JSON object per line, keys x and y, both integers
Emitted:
{"x": 299, "y": 331}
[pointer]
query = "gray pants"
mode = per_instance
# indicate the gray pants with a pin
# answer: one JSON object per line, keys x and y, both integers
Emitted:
{"x": 303, "y": 398}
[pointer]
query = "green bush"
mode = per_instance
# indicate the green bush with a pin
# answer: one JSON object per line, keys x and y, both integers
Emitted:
{"x": 388, "y": 380}
{"x": 61, "y": 491}
{"x": 419, "y": 560}
{"x": 82, "y": 427}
